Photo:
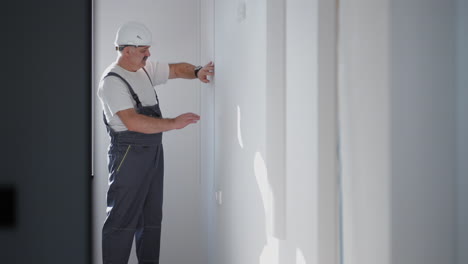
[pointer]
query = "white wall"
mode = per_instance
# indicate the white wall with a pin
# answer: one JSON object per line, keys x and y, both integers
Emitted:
{"x": 175, "y": 28}
{"x": 397, "y": 94}
{"x": 423, "y": 131}
{"x": 462, "y": 130}
{"x": 207, "y": 147}
{"x": 364, "y": 90}
{"x": 250, "y": 46}
{"x": 240, "y": 128}
{"x": 311, "y": 144}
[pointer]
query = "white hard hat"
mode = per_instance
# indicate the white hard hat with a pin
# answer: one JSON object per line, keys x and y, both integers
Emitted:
{"x": 134, "y": 34}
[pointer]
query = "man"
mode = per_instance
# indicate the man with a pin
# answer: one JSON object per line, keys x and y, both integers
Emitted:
{"x": 135, "y": 125}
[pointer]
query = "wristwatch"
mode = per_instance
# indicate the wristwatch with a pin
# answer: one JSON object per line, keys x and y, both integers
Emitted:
{"x": 196, "y": 70}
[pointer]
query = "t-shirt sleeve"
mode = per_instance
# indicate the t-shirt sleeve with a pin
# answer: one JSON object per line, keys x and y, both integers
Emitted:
{"x": 115, "y": 95}
{"x": 159, "y": 72}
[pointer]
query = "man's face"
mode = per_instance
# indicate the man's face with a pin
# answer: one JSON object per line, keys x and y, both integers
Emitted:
{"x": 139, "y": 55}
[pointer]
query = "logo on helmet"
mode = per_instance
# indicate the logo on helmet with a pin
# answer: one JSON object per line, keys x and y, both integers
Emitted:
{"x": 139, "y": 37}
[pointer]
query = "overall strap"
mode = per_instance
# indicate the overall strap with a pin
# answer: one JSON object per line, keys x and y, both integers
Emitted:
{"x": 148, "y": 76}
{"x": 157, "y": 99}
{"x": 134, "y": 95}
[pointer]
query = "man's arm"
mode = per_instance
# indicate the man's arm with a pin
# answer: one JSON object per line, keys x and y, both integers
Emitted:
{"x": 187, "y": 71}
{"x": 149, "y": 125}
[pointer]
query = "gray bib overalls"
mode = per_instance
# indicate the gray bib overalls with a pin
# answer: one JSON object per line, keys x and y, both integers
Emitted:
{"x": 135, "y": 195}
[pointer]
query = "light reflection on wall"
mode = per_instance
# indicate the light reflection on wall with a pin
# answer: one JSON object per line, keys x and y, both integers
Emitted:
{"x": 239, "y": 130}
{"x": 270, "y": 251}
{"x": 300, "y": 259}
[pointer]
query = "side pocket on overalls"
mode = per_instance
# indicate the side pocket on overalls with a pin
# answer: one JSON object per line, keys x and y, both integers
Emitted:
{"x": 123, "y": 159}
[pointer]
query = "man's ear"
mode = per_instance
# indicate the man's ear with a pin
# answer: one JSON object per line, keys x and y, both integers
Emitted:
{"x": 127, "y": 51}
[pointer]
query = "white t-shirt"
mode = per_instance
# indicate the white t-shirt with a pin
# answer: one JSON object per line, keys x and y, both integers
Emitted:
{"x": 114, "y": 93}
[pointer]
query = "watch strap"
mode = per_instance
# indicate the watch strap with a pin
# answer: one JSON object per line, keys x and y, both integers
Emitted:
{"x": 196, "y": 70}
